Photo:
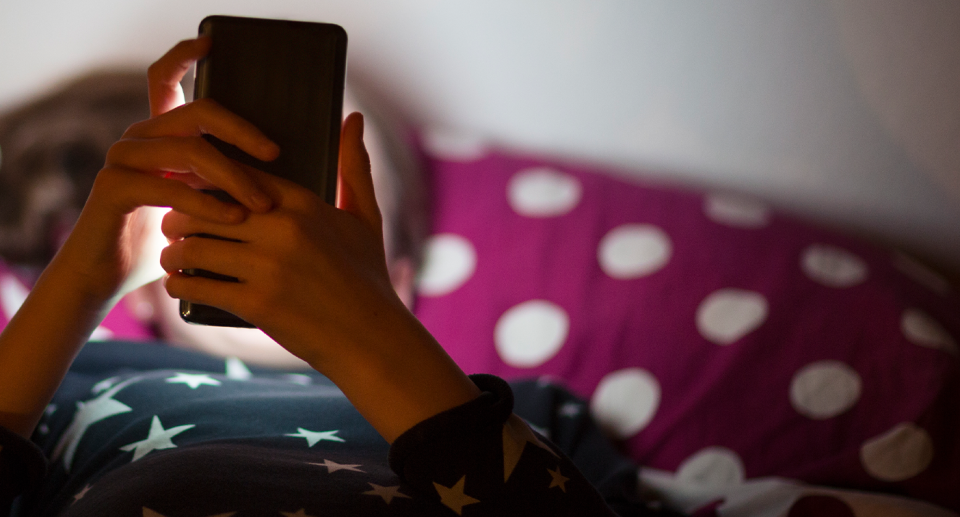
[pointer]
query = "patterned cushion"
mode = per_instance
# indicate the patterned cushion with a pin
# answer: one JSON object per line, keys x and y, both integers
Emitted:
{"x": 120, "y": 322}
{"x": 715, "y": 337}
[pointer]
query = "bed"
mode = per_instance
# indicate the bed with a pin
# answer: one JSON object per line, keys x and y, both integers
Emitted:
{"x": 753, "y": 364}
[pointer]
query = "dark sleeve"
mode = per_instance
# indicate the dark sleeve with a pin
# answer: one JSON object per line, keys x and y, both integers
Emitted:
{"x": 22, "y": 468}
{"x": 481, "y": 459}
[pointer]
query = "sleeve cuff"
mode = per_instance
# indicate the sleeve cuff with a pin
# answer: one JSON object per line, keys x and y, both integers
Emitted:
{"x": 22, "y": 467}
{"x": 445, "y": 434}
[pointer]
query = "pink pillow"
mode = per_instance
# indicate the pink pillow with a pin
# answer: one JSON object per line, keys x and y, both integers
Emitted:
{"x": 716, "y": 338}
{"x": 120, "y": 323}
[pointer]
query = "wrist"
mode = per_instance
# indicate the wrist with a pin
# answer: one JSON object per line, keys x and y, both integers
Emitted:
{"x": 396, "y": 374}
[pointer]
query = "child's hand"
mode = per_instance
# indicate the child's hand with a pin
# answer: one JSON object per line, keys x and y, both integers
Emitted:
{"x": 143, "y": 169}
{"x": 305, "y": 268}
{"x": 99, "y": 261}
{"x": 315, "y": 279}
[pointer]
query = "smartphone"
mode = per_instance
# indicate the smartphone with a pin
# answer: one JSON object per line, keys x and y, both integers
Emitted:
{"x": 286, "y": 78}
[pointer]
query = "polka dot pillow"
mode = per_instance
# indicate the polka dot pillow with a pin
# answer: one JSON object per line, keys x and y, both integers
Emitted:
{"x": 716, "y": 338}
{"x": 119, "y": 323}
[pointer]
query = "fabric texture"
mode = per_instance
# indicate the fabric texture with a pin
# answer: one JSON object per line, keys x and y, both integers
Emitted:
{"x": 120, "y": 322}
{"x": 717, "y": 338}
{"x": 140, "y": 429}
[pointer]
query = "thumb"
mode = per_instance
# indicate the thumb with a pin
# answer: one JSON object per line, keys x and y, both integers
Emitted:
{"x": 355, "y": 183}
{"x": 165, "y": 74}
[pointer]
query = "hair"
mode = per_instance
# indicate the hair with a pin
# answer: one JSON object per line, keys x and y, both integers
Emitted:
{"x": 52, "y": 148}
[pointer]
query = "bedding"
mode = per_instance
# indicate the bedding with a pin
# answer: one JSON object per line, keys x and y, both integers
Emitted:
{"x": 719, "y": 341}
{"x": 120, "y": 323}
{"x": 754, "y": 364}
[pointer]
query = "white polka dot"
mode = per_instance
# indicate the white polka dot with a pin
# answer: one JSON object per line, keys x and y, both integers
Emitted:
{"x": 101, "y": 334}
{"x": 832, "y": 266}
{"x": 735, "y": 210}
{"x": 824, "y": 389}
{"x": 454, "y": 145}
{"x": 449, "y": 261}
{"x": 921, "y": 329}
{"x": 543, "y": 192}
{"x": 727, "y": 315}
{"x": 900, "y": 453}
{"x": 712, "y": 467}
{"x": 633, "y": 250}
{"x": 531, "y": 333}
{"x": 921, "y": 273}
{"x": 12, "y": 295}
{"x": 625, "y": 401}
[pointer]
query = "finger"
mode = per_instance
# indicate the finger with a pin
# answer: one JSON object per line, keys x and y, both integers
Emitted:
{"x": 206, "y": 291}
{"x": 177, "y": 225}
{"x": 355, "y": 184}
{"x": 186, "y": 155}
{"x": 218, "y": 256}
{"x": 165, "y": 74}
{"x": 130, "y": 189}
{"x": 206, "y": 116}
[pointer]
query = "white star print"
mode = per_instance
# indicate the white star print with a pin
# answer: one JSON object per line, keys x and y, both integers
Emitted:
{"x": 386, "y": 492}
{"x": 236, "y": 370}
{"x": 453, "y": 497}
{"x": 104, "y": 385}
{"x": 194, "y": 380}
{"x": 159, "y": 438}
{"x": 89, "y": 413}
{"x": 570, "y": 409}
{"x": 51, "y": 409}
{"x": 299, "y": 378}
{"x": 333, "y": 466}
{"x": 298, "y": 513}
{"x": 79, "y": 495}
{"x": 313, "y": 436}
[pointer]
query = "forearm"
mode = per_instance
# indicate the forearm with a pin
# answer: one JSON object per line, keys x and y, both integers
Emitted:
{"x": 397, "y": 375}
{"x": 39, "y": 344}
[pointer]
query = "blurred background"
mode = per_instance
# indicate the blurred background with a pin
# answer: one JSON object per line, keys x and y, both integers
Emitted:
{"x": 846, "y": 112}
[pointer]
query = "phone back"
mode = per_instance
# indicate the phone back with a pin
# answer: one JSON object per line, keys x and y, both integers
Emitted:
{"x": 287, "y": 79}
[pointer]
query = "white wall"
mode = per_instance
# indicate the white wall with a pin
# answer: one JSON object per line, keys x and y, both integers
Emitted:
{"x": 819, "y": 106}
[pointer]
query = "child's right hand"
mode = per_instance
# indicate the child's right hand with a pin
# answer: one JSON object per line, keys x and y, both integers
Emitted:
{"x": 158, "y": 162}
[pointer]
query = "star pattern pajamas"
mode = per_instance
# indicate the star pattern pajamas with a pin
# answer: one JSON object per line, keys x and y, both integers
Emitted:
{"x": 147, "y": 430}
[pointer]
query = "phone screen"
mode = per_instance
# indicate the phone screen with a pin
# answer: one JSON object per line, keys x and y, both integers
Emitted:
{"x": 287, "y": 79}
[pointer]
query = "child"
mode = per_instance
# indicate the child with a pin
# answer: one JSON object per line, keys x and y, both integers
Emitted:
{"x": 159, "y": 431}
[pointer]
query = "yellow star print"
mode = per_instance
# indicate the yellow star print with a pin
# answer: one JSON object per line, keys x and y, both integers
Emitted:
{"x": 559, "y": 480}
{"x": 516, "y": 436}
{"x": 453, "y": 497}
